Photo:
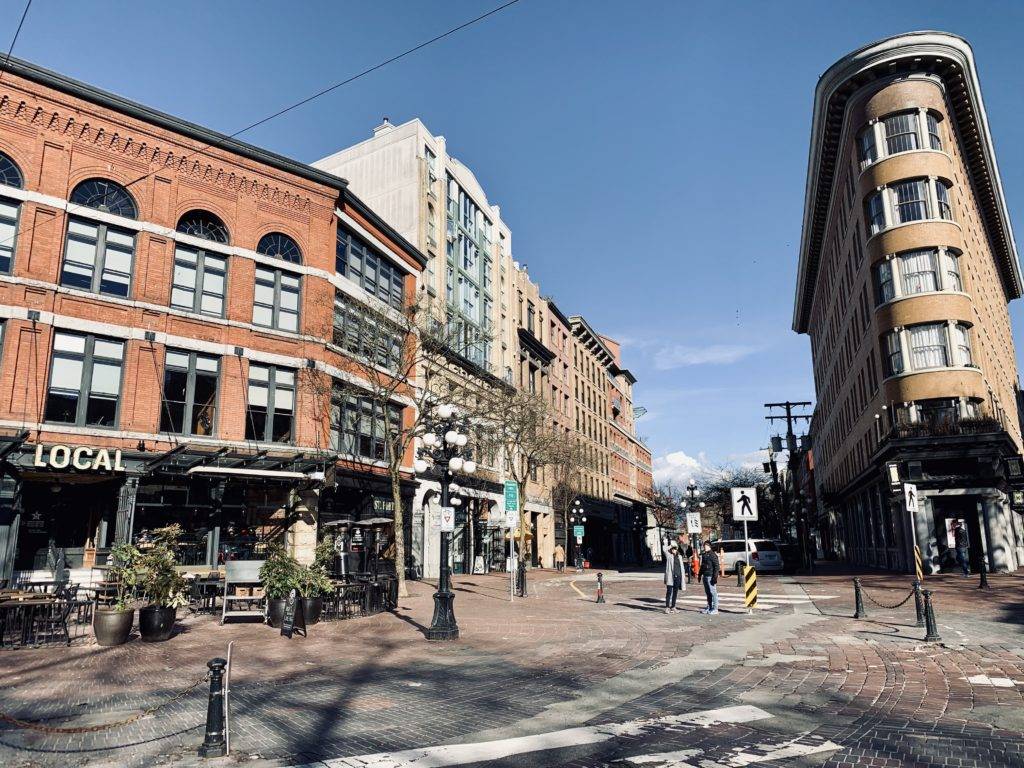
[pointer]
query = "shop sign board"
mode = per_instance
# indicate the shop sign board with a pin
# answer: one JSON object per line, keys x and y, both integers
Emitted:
{"x": 447, "y": 519}
{"x": 81, "y": 457}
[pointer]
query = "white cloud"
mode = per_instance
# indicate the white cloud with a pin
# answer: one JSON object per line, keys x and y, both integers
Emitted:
{"x": 750, "y": 459}
{"x": 682, "y": 355}
{"x": 678, "y": 467}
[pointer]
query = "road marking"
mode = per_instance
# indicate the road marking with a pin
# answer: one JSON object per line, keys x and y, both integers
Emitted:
{"x": 737, "y": 758}
{"x": 573, "y": 585}
{"x": 482, "y": 751}
{"x": 996, "y": 682}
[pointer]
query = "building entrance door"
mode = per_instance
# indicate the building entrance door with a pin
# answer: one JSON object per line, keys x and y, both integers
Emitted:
{"x": 946, "y": 509}
{"x": 67, "y": 515}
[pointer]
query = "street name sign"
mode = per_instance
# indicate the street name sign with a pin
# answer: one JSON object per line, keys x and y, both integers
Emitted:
{"x": 744, "y": 504}
{"x": 910, "y": 496}
{"x": 577, "y": 531}
{"x": 511, "y": 496}
{"x": 447, "y": 519}
{"x": 693, "y": 522}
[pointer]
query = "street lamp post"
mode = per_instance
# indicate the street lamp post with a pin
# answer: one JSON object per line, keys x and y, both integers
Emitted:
{"x": 442, "y": 444}
{"x": 576, "y": 517}
{"x": 696, "y": 506}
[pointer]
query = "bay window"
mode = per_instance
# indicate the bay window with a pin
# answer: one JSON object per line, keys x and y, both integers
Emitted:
{"x": 867, "y": 152}
{"x": 928, "y": 346}
{"x": 918, "y": 269}
{"x": 884, "y": 282}
{"x": 911, "y": 200}
{"x": 271, "y": 404}
{"x": 942, "y": 198}
{"x": 934, "y": 139}
{"x": 962, "y": 340}
{"x": 276, "y": 299}
{"x": 189, "y": 393}
{"x": 953, "y": 281}
{"x": 905, "y": 131}
{"x": 876, "y": 212}
{"x": 901, "y": 132}
{"x": 906, "y": 201}
{"x": 893, "y": 353}
{"x": 923, "y": 270}
{"x": 85, "y": 380}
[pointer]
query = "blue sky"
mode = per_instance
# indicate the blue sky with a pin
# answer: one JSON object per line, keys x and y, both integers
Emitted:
{"x": 650, "y": 157}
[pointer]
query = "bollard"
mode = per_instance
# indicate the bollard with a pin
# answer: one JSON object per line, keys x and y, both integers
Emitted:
{"x": 215, "y": 744}
{"x": 739, "y": 575}
{"x": 600, "y": 587}
{"x": 932, "y": 632}
{"x": 918, "y": 604}
{"x": 859, "y": 612}
{"x": 983, "y": 584}
{"x": 521, "y": 579}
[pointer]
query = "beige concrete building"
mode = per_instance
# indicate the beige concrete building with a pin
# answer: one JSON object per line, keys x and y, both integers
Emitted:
{"x": 907, "y": 264}
{"x": 406, "y": 174}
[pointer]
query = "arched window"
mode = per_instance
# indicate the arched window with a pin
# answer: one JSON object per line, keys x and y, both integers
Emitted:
{"x": 205, "y": 225}
{"x": 10, "y": 173}
{"x": 280, "y": 246}
{"x": 105, "y": 195}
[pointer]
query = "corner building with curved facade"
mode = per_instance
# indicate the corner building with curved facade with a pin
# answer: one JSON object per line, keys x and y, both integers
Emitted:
{"x": 907, "y": 265}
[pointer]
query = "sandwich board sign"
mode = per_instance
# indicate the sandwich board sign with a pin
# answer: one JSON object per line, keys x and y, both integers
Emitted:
{"x": 693, "y": 522}
{"x": 744, "y": 505}
{"x": 447, "y": 519}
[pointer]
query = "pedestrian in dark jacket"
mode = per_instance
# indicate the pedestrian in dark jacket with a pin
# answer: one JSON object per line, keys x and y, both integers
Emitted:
{"x": 709, "y": 577}
{"x": 962, "y": 543}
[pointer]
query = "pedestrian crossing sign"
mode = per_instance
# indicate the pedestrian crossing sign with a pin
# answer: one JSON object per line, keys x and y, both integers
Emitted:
{"x": 744, "y": 504}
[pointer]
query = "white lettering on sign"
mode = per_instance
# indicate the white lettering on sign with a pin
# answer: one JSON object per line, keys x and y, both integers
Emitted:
{"x": 83, "y": 458}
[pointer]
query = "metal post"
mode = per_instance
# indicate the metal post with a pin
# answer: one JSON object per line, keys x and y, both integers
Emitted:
{"x": 983, "y": 584}
{"x": 443, "y": 625}
{"x": 600, "y": 587}
{"x": 215, "y": 743}
{"x": 859, "y": 612}
{"x": 932, "y": 631}
{"x": 918, "y": 604}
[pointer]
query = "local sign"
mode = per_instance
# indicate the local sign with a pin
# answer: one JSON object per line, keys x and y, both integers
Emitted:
{"x": 83, "y": 457}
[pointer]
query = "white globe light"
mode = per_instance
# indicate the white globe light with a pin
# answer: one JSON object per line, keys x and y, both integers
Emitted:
{"x": 703, "y": 504}
{"x": 455, "y": 502}
{"x": 696, "y": 492}
{"x": 461, "y": 440}
{"x": 420, "y": 466}
{"x": 682, "y": 504}
{"x": 455, "y": 463}
{"x": 469, "y": 467}
{"x": 584, "y": 518}
{"x": 430, "y": 439}
{"x": 445, "y": 411}
{"x": 451, "y": 436}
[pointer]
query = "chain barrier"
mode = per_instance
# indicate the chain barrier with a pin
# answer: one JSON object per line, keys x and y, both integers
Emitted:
{"x": 4, "y": 717}
{"x": 900, "y": 604}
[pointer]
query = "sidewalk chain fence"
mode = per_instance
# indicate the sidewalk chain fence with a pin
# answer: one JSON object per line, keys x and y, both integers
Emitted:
{"x": 900, "y": 604}
{"x": 5, "y": 718}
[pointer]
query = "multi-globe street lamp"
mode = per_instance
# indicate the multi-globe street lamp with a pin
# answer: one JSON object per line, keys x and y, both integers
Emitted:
{"x": 576, "y": 517}
{"x": 695, "y": 506}
{"x": 443, "y": 441}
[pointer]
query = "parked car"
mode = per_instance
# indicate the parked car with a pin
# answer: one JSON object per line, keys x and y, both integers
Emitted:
{"x": 790, "y": 556}
{"x": 764, "y": 555}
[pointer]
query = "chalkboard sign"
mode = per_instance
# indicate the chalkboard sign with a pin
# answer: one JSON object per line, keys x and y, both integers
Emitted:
{"x": 293, "y": 616}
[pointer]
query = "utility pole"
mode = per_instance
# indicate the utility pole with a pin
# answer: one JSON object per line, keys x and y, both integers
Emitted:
{"x": 789, "y": 418}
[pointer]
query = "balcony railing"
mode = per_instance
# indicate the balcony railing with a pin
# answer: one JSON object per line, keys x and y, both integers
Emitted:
{"x": 947, "y": 427}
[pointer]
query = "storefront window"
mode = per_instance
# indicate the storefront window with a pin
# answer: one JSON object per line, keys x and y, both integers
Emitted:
{"x": 190, "y": 393}
{"x": 85, "y": 380}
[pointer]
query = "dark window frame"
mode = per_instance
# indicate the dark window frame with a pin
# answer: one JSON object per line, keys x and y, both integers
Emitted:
{"x": 276, "y": 309}
{"x": 100, "y": 260}
{"x": 346, "y": 435}
{"x": 204, "y": 225}
{"x": 199, "y": 291}
{"x": 272, "y": 387}
{"x": 88, "y": 359}
{"x": 349, "y": 246}
{"x": 192, "y": 373}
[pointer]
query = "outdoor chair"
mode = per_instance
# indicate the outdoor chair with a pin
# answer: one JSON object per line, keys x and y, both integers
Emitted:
{"x": 51, "y": 623}
{"x": 241, "y": 573}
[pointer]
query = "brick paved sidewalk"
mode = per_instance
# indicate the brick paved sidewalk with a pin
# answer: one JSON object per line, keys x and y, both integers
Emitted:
{"x": 549, "y": 661}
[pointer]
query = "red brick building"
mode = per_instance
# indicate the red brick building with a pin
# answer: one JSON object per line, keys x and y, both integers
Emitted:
{"x": 170, "y": 301}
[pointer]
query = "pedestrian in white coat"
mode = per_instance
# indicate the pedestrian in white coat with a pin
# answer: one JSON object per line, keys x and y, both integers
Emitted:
{"x": 675, "y": 574}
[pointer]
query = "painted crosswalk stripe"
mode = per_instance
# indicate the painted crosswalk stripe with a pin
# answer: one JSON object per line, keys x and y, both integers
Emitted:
{"x": 735, "y": 758}
{"x": 479, "y": 752}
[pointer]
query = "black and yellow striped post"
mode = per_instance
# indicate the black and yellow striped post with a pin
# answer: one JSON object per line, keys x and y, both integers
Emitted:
{"x": 918, "y": 569}
{"x": 749, "y": 587}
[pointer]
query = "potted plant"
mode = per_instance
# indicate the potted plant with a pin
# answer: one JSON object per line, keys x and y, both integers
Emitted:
{"x": 315, "y": 580}
{"x": 280, "y": 574}
{"x": 112, "y": 624}
{"x": 162, "y": 586}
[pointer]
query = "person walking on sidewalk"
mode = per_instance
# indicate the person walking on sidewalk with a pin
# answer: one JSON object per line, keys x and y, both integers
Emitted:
{"x": 675, "y": 576}
{"x": 962, "y": 544}
{"x": 559, "y": 558}
{"x": 709, "y": 577}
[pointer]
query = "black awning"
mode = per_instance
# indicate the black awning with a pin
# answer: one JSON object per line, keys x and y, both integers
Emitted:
{"x": 189, "y": 460}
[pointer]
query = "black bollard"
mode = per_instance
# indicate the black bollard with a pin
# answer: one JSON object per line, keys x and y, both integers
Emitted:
{"x": 739, "y": 576}
{"x": 521, "y": 578}
{"x": 983, "y": 584}
{"x": 600, "y": 587}
{"x": 859, "y": 612}
{"x": 918, "y": 603}
{"x": 215, "y": 744}
{"x": 932, "y": 632}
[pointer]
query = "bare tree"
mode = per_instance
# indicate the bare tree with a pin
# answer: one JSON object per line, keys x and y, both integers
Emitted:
{"x": 569, "y": 461}
{"x": 663, "y": 501}
{"x": 523, "y": 434}
{"x": 715, "y": 488}
{"x": 397, "y": 373}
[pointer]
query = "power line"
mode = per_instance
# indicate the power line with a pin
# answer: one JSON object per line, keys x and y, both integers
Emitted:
{"x": 7, "y": 58}
{"x": 297, "y": 104}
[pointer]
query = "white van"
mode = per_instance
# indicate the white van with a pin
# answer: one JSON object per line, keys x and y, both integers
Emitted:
{"x": 764, "y": 555}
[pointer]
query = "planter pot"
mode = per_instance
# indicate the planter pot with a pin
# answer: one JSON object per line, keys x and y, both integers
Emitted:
{"x": 312, "y": 607}
{"x": 112, "y": 627}
{"x": 275, "y": 612}
{"x": 156, "y": 623}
